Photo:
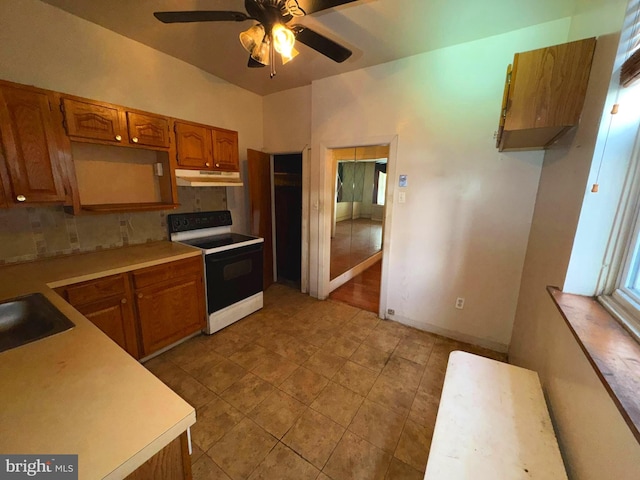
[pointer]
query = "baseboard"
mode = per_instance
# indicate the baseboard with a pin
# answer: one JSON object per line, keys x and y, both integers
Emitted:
{"x": 461, "y": 337}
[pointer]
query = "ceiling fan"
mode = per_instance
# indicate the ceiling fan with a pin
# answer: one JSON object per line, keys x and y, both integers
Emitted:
{"x": 272, "y": 29}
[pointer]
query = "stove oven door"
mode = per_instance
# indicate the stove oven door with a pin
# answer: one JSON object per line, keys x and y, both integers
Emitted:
{"x": 233, "y": 275}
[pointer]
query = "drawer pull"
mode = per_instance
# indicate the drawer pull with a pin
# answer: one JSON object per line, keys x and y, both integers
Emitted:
{"x": 140, "y": 295}
{"x": 123, "y": 301}
{"x": 134, "y": 139}
{"x": 21, "y": 198}
{"x": 118, "y": 137}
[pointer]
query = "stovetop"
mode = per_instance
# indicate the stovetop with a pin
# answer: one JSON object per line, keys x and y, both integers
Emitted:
{"x": 216, "y": 241}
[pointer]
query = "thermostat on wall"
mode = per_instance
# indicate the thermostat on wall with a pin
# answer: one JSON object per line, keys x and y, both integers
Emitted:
{"x": 403, "y": 181}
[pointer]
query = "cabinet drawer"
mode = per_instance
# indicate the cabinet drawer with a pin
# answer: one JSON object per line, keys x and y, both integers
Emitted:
{"x": 160, "y": 273}
{"x": 94, "y": 290}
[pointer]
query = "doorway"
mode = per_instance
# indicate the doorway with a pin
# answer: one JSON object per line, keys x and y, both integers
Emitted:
{"x": 360, "y": 180}
{"x": 287, "y": 191}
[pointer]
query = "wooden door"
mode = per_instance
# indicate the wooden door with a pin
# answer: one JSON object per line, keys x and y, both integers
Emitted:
{"x": 93, "y": 121}
{"x": 225, "y": 150}
{"x": 194, "y": 146}
{"x": 149, "y": 130}
{"x": 260, "y": 207}
{"x": 31, "y": 149}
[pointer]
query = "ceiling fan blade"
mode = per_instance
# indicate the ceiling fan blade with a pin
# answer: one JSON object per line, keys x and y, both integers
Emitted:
{"x": 312, "y": 6}
{"x": 254, "y": 63}
{"x": 200, "y": 16}
{"x": 320, "y": 43}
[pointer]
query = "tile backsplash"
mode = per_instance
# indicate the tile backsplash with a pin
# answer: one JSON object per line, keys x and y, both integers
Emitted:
{"x": 39, "y": 232}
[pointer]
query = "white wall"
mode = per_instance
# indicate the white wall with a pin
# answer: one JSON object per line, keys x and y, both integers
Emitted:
{"x": 595, "y": 441}
{"x": 464, "y": 227}
{"x": 43, "y": 46}
{"x": 287, "y": 120}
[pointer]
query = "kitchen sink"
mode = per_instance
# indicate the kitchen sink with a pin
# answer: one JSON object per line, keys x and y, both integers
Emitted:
{"x": 29, "y": 318}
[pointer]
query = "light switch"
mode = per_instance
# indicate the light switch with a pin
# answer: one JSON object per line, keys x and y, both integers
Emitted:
{"x": 402, "y": 197}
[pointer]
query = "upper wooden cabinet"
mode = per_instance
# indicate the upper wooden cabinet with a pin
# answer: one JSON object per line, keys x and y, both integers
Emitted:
{"x": 31, "y": 147}
{"x": 200, "y": 147}
{"x": 225, "y": 150}
{"x": 194, "y": 147}
{"x": 110, "y": 123}
{"x": 544, "y": 95}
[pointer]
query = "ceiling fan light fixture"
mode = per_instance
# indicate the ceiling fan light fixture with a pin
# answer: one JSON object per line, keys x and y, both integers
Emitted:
{"x": 283, "y": 40}
{"x": 294, "y": 54}
{"x": 261, "y": 52}
{"x": 252, "y": 38}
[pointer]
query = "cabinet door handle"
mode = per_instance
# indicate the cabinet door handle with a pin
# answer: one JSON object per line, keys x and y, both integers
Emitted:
{"x": 123, "y": 301}
{"x": 21, "y": 198}
{"x": 207, "y": 164}
{"x": 118, "y": 137}
{"x": 134, "y": 139}
{"x": 217, "y": 164}
{"x": 140, "y": 295}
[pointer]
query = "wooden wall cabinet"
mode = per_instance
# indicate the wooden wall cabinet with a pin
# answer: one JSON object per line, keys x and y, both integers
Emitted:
{"x": 200, "y": 147}
{"x": 170, "y": 302}
{"x": 31, "y": 148}
{"x": 89, "y": 120}
{"x": 544, "y": 94}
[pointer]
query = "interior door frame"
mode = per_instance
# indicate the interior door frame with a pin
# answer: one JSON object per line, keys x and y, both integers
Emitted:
{"x": 321, "y": 270}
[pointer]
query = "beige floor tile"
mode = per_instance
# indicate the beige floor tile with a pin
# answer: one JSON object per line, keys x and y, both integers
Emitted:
{"x": 304, "y": 385}
{"x": 414, "y": 444}
{"x": 394, "y": 328}
{"x": 424, "y": 408}
{"x": 393, "y": 393}
{"x": 432, "y": 382}
{"x": 356, "y": 377}
{"x": 414, "y": 351}
{"x": 406, "y": 370}
{"x": 277, "y": 413}
{"x": 317, "y": 337}
{"x": 382, "y": 340}
{"x": 340, "y": 346}
{"x": 282, "y": 463}
{"x": 225, "y": 342}
{"x": 401, "y": 471}
{"x": 323, "y": 476}
{"x": 213, "y": 421}
{"x": 187, "y": 352}
{"x": 420, "y": 336}
{"x": 324, "y": 363}
{"x": 206, "y": 469}
{"x": 222, "y": 376}
{"x": 355, "y": 332}
{"x": 365, "y": 319}
{"x": 338, "y": 403}
{"x": 241, "y": 450}
{"x": 193, "y": 392}
{"x": 378, "y": 425}
{"x": 247, "y": 392}
{"x": 274, "y": 368}
{"x": 370, "y": 357}
{"x": 298, "y": 351}
{"x": 196, "y": 452}
{"x": 356, "y": 459}
{"x": 248, "y": 356}
{"x": 314, "y": 436}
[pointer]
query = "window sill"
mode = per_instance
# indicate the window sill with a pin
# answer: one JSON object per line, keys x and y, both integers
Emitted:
{"x": 613, "y": 353}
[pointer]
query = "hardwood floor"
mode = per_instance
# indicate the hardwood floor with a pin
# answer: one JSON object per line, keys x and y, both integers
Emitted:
{"x": 354, "y": 242}
{"x": 362, "y": 291}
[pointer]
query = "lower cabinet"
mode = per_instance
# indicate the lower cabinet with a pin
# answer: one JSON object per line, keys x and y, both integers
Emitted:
{"x": 169, "y": 310}
{"x": 171, "y": 463}
{"x": 146, "y": 309}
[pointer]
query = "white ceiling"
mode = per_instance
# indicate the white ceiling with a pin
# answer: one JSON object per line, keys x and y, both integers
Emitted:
{"x": 377, "y": 31}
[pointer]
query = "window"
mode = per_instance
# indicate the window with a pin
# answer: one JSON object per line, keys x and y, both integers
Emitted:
{"x": 382, "y": 188}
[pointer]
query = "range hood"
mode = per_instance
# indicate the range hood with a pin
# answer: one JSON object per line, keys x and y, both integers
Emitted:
{"x": 207, "y": 178}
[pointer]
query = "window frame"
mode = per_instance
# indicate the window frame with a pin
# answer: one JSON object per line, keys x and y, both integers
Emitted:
{"x": 623, "y": 253}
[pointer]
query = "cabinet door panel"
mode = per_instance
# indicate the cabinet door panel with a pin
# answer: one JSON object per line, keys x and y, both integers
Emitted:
{"x": 170, "y": 311}
{"x": 194, "y": 146}
{"x": 89, "y": 120}
{"x": 30, "y": 146}
{"x": 225, "y": 150}
{"x": 148, "y": 130}
{"x": 115, "y": 318}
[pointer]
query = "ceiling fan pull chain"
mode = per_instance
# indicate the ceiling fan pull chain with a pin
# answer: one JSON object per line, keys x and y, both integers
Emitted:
{"x": 272, "y": 59}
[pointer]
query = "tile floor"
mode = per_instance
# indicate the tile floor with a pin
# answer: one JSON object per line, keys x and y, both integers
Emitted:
{"x": 305, "y": 389}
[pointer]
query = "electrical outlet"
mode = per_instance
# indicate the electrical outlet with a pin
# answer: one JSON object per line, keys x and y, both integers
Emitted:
{"x": 391, "y": 311}
{"x": 459, "y": 303}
